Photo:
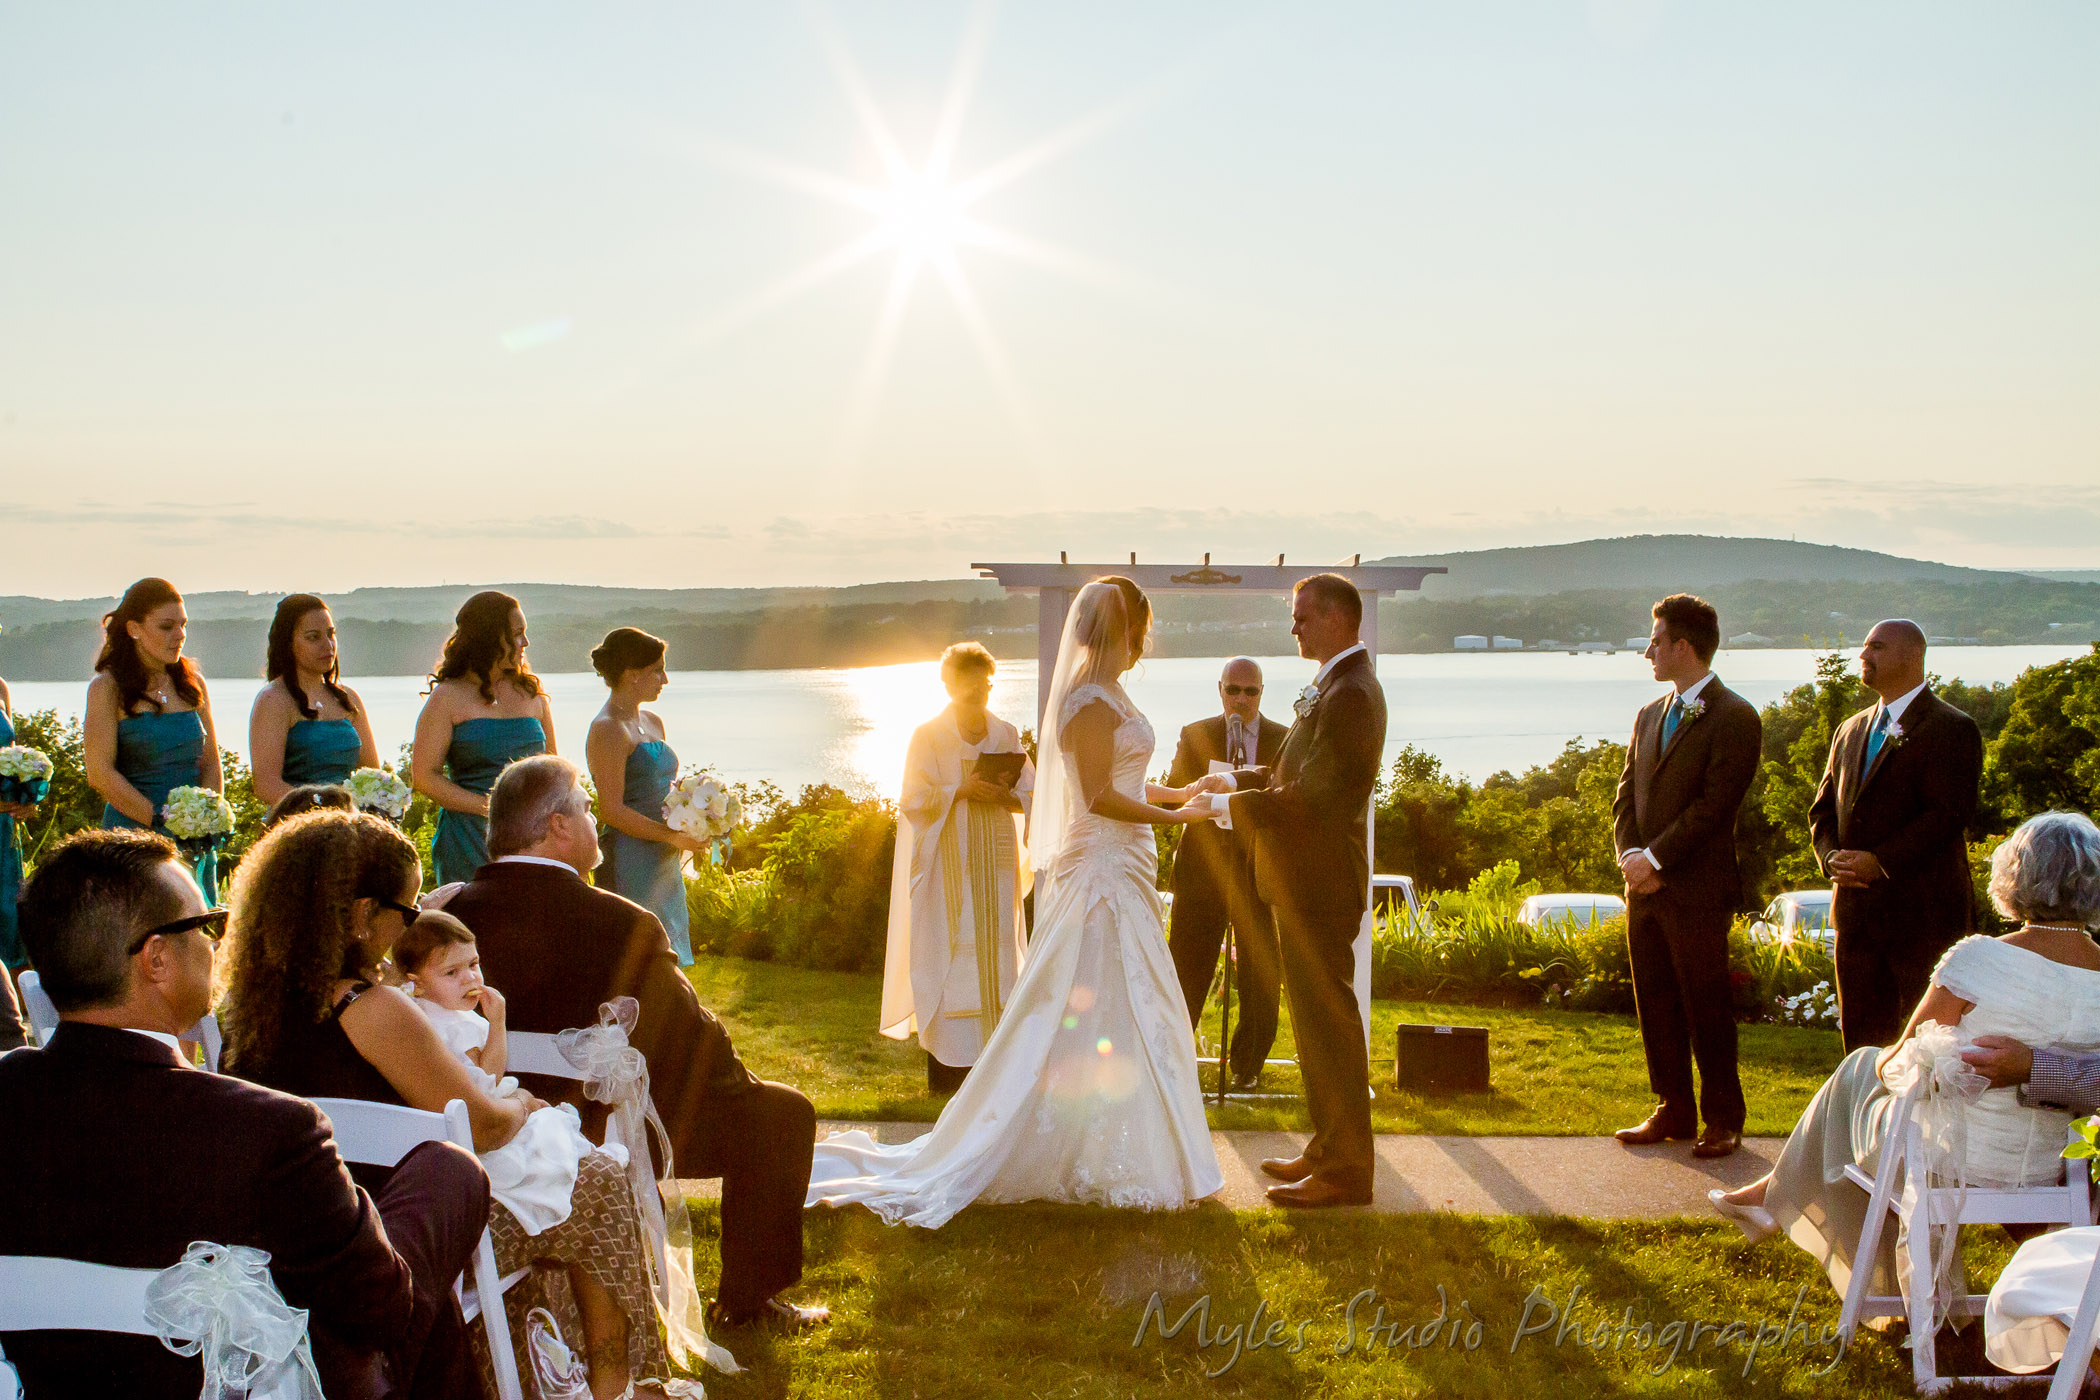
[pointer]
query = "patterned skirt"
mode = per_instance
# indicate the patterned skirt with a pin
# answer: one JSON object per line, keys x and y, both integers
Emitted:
{"x": 603, "y": 1235}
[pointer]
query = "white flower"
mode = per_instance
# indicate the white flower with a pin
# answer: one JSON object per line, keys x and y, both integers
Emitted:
{"x": 24, "y": 764}
{"x": 378, "y": 790}
{"x": 1689, "y": 709}
{"x": 1893, "y": 733}
{"x": 701, "y": 805}
{"x": 194, "y": 813}
{"x": 1307, "y": 698}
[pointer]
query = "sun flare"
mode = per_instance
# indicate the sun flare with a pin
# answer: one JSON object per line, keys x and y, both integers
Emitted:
{"x": 923, "y": 217}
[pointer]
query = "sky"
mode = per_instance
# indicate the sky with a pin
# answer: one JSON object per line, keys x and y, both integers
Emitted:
{"x": 314, "y": 297}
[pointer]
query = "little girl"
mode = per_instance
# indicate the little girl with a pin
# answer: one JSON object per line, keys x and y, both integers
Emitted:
{"x": 535, "y": 1172}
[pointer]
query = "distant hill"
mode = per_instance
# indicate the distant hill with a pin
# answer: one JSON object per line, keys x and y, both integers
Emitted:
{"x": 2065, "y": 575}
{"x": 1671, "y": 563}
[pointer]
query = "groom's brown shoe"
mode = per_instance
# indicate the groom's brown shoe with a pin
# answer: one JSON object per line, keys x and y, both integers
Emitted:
{"x": 1655, "y": 1128}
{"x": 1317, "y": 1192}
{"x": 1287, "y": 1168}
{"x": 1715, "y": 1143}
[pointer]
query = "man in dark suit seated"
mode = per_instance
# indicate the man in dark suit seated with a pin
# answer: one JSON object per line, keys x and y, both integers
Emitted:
{"x": 558, "y": 949}
{"x": 120, "y": 1153}
{"x": 1689, "y": 764}
{"x": 1214, "y": 875}
{"x": 1890, "y": 826}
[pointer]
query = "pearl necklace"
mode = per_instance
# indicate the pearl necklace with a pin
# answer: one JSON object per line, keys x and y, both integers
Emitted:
{"x": 2058, "y": 928}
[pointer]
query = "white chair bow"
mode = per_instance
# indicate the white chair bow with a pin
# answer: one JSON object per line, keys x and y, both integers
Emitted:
{"x": 616, "y": 1073}
{"x": 219, "y": 1304}
{"x": 1929, "y": 1071}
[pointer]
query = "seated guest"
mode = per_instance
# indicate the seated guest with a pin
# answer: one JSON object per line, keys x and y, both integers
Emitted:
{"x": 121, "y": 1154}
{"x": 560, "y": 949}
{"x": 310, "y": 797}
{"x": 2039, "y": 983}
{"x": 317, "y": 904}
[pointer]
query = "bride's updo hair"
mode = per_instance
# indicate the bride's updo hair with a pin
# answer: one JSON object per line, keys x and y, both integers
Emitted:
{"x": 1137, "y": 612}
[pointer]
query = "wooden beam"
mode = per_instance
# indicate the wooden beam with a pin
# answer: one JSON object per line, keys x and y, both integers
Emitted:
{"x": 1207, "y": 577}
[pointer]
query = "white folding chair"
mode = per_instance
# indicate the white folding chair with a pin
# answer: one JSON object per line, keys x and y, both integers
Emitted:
{"x": 535, "y": 1052}
{"x": 2078, "y": 1347}
{"x": 43, "y": 1020}
{"x": 36, "y": 1005}
{"x": 380, "y": 1135}
{"x": 39, "y": 1293}
{"x": 1902, "y": 1186}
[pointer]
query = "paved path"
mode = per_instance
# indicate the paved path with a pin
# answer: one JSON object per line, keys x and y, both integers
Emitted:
{"x": 1479, "y": 1175}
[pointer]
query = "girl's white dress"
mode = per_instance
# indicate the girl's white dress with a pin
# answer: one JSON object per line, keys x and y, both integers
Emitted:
{"x": 534, "y": 1174}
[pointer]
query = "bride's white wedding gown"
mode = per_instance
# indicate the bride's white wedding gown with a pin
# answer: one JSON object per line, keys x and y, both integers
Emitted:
{"x": 1087, "y": 1091}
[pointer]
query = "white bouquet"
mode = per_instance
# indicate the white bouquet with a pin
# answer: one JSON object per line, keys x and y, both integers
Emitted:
{"x": 700, "y": 805}
{"x": 25, "y": 774}
{"x": 379, "y": 790}
{"x": 197, "y": 818}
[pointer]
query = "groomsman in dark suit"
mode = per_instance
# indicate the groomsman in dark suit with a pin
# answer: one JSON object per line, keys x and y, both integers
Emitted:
{"x": 1692, "y": 757}
{"x": 119, "y": 1153}
{"x": 1214, "y": 875}
{"x": 1890, "y": 822}
{"x": 1312, "y": 865}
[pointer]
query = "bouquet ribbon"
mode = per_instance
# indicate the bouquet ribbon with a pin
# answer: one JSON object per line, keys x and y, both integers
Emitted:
{"x": 616, "y": 1073}
{"x": 219, "y": 1303}
{"x": 1929, "y": 1071}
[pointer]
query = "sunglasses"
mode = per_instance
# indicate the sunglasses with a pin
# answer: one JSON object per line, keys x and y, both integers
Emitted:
{"x": 1241, "y": 689}
{"x": 408, "y": 912}
{"x": 211, "y": 923}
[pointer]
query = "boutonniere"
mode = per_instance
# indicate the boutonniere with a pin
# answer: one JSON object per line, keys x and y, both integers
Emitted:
{"x": 1893, "y": 736}
{"x": 1690, "y": 710}
{"x": 1307, "y": 698}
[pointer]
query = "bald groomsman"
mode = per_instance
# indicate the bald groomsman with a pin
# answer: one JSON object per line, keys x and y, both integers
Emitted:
{"x": 1890, "y": 822}
{"x": 1214, "y": 875}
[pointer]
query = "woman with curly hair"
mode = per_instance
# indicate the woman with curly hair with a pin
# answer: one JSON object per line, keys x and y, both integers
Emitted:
{"x": 318, "y": 903}
{"x": 486, "y": 709}
{"x": 148, "y": 729}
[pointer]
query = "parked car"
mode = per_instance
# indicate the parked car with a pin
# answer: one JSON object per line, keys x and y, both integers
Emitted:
{"x": 1798, "y": 914}
{"x": 1582, "y": 910}
{"x": 1395, "y": 894}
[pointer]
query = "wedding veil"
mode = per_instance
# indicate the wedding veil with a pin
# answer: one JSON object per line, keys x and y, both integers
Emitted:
{"x": 1091, "y": 652}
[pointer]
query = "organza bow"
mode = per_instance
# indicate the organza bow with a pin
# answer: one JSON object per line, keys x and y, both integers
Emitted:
{"x": 616, "y": 1073}
{"x": 219, "y": 1303}
{"x": 1929, "y": 1071}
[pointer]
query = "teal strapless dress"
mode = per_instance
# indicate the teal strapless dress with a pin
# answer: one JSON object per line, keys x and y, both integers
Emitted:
{"x": 157, "y": 754}
{"x": 648, "y": 872}
{"x": 480, "y": 749}
{"x": 321, "y": 751}
{"x": 11, "y": 950}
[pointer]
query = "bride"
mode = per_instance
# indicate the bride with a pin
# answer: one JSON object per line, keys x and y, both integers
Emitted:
{"x": 1087, "y": 1091}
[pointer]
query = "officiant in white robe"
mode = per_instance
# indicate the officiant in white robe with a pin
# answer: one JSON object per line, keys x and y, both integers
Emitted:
{"x": 956, "y": 936}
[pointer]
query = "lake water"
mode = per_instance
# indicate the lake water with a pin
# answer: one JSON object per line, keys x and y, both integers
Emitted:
{"x": 1477, "y": 712}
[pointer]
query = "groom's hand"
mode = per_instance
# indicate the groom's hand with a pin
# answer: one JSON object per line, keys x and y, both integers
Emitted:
{"x": 2000, "y": 1059}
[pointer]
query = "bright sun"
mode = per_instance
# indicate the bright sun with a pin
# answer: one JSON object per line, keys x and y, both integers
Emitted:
{"x": 922, "y": 217}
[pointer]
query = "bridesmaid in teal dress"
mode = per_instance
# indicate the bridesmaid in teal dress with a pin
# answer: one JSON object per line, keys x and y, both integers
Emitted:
{"x": 307, "y": 726}
{"x": 633, "y": 768}
{"x": 11, "y": 954}
{"x": 148, "y": 728}
{"x": 486, "y": 710}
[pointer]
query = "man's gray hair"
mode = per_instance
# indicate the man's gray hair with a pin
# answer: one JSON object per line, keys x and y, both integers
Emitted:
{"x": 2049, "y": 871}
{"x": 526, "y": 797}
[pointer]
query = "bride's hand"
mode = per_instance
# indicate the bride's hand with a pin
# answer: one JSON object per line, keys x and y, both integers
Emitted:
{"x": 1189, "y": 815}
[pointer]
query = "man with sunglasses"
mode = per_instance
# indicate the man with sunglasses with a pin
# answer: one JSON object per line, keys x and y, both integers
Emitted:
{"x": 1214, "y": 875}
{"x": 121, "y": 1153}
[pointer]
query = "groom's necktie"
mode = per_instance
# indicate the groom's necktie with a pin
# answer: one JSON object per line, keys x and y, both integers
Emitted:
{"x": 1672, "y": 718}
{"x": 1876, "y": 737}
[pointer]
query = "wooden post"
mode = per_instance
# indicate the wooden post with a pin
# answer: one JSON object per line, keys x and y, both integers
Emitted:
{"x": 1051, "y": 606}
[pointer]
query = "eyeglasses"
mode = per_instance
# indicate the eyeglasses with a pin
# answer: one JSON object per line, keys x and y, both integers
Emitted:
{"x": 408, "y": 912}
{"x": 211, "y": 923}
{"x": 1241, "y": 689}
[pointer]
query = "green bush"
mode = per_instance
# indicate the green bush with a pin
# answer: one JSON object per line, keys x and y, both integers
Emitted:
{"x": 808, "y": 883}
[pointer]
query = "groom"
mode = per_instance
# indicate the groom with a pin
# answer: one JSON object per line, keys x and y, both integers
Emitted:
{"x": 1312, "y": 865}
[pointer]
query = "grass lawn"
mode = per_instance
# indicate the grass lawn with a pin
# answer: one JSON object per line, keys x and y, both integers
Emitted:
{"x": 1016, "y": 1301}
{"x": 1555, "y": 1072}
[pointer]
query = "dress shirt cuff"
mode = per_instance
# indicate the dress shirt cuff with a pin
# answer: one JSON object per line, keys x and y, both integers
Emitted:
{"x": 1232, "y": 784}
{"x": 1645, "y": 854}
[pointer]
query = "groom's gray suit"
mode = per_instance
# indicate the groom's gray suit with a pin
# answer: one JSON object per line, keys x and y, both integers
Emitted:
{"x": 1312, "y": 865}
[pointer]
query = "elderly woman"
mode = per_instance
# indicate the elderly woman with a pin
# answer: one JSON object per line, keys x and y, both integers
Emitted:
{"x": 955, "y": 936}
{"x": 318, "y": 903}
{"x": 2039, "y": 985}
